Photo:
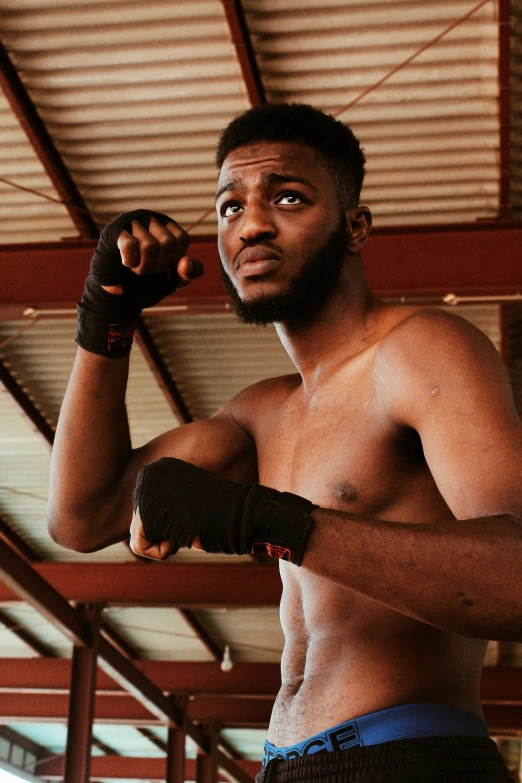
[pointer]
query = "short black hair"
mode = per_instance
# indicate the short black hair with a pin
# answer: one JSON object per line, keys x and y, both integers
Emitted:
{"x": 334, "y": 140}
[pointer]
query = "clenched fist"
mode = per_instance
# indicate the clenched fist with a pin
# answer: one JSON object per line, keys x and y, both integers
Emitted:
{"x": 140, "y": 259}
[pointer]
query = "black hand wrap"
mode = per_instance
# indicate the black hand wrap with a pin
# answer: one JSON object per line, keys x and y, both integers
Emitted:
{"x": 178, "y": 501}
{"x": 107, "y": 322}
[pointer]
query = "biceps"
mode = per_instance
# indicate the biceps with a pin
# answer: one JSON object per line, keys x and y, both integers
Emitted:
{"x": 217, "y": 444}
{"x": 477, "y": 464}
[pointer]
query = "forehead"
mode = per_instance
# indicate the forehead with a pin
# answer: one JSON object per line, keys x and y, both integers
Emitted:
{"x": 254, "y": 161}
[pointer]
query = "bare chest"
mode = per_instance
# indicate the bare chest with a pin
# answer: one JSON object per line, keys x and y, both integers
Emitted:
{"x": 339, "y": 449}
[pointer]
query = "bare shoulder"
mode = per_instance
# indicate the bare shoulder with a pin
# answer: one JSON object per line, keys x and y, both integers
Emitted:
{"x": 430, "y": 351}
{"x": 256, "y": 401}
{"x": 421, "y": 336}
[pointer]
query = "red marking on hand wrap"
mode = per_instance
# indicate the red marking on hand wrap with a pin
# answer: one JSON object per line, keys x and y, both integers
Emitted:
{"x": 272, "y": 550}
{"x": 120, "y": 333}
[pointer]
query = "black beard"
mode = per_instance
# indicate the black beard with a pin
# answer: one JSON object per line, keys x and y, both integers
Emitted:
{"x": 307, "y": 292}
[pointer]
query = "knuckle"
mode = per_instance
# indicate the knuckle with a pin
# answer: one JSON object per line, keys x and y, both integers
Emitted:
{"x": 168, "y": 242}
{"x": 149, "y": 244}
{"x": 126, "y": 240}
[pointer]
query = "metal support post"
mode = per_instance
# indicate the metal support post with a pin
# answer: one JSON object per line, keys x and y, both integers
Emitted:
{"x": 207, "y": 763}
{"x": 81, "y": 705}
{"x": 176, "y": 744}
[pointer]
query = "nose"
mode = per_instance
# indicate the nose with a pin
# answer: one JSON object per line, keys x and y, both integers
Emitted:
{"x": 257, "y": 222}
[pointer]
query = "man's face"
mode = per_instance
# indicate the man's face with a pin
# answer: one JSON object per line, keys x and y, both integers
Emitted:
{"x": 282, "y": 233}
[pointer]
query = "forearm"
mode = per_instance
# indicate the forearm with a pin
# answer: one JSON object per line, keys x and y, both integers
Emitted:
{"x": 462, "y": 576}
{"x": 91, "y": 449}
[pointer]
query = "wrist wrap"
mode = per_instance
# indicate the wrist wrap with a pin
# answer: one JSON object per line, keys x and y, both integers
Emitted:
{"x": 107, "y": 322}
{"x": 178, "y": 501}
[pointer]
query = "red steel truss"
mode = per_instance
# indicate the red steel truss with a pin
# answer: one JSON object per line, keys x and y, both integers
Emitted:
{"x": 480, "y": 258}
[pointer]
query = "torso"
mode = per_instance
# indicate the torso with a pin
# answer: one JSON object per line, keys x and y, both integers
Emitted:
{"x": 346, "y": 655}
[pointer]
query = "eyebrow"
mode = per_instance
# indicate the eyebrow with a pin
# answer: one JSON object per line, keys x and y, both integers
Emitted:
{"x": 268, "y": 179}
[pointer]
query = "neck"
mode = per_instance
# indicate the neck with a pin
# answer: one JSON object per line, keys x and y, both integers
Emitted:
{"x": 343, "y": 328}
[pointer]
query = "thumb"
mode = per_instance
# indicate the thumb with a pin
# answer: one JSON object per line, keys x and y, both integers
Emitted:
{"x": 189, "y": 268}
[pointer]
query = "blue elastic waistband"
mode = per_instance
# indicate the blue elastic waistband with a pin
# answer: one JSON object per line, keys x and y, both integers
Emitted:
{"x": 395, "y": 723}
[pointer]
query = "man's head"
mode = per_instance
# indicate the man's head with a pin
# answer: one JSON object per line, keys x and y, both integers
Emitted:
{"x": 287, "y": 201}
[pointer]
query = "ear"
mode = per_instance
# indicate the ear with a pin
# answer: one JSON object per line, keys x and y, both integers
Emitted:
{"x": 359, "y": 223}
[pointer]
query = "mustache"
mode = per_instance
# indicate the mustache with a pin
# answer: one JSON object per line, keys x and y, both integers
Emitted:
{"x": 260, "y": 243}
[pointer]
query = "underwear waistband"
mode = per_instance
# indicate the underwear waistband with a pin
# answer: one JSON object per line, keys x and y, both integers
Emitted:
{"x": 395, "y": 723}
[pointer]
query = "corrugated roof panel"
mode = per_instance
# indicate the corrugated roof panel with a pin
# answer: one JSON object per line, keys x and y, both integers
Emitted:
{"x": 213, "y": 357}
{"x": 248, "y": 742}
{"x": 26, "y": 616}
{"x": 11, "y": 646}
{"x": 25, "y": 216}
{"x": 157, "y": 633}
{"x": 127, "y": 741}
{"x": 41, "y": 359}
{"x": 252, "y": 634}
{"x": 328, "y": 53}
{"x": 151, "y": 73}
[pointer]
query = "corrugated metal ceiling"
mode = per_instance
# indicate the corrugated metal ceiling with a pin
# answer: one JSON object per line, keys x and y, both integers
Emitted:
{"x": 135, "y": 96}
{"x": 431, "y": 131}
{"x": 135, "y": 101}
{"x": 211, "y": 357}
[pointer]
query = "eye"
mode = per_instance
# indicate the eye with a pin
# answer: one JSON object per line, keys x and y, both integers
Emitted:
{"x": 229, "y": 208}
{"x": 289, "y": 198}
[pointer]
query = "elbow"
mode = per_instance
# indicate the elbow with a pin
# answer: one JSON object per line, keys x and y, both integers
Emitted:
{"x": 67, "y": 533}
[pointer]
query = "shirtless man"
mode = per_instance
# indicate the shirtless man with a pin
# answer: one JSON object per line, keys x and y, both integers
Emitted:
{"x": 399, "y": 426}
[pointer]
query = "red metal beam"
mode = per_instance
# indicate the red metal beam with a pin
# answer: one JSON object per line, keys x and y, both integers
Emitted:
{"x": 26, "y": 636}
{"x": 19, "y": 577}
{"x": 24, "y": 581}
{"x": 240, "y": 771}
{"x": 500, "y": 684}
{"x": 121, "y": 709}
{"x": 130, "y": 767}
{"x": 228, "y": 711}
{"x": 26, "y": 405}
{"x": 245, "y": 51}
{"x": 418, "y": 261}
{"x": 16, "y": 542}
{"x": 189, "y": 677}
{"x": 119, "y": 643}
{"x": 157, "y": 584}
{"x": 201, "y": 632}
{"x": 133, "y": 681}
{"x": 502, "y": 720}
{"x": 81, "y": 705}
{"x": 161, "y": 373}
{"x": 176, "y": 759}
{"x": 504, "y": 78}
{"x": 42, "y": 143}
{"x": 206, "y": 763}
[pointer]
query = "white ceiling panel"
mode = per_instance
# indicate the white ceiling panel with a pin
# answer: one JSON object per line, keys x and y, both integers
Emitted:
{"x": 157, "y": 633}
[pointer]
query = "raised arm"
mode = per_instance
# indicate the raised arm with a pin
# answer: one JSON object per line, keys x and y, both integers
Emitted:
{"x": 93, "y": 467}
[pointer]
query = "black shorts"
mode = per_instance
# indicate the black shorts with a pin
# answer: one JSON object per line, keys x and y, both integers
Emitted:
{"x": 419, "y": 760}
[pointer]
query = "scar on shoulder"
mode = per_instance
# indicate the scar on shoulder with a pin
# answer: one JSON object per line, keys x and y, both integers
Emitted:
{"x": 465, "y": 600}
{"x": 434, "y": 391}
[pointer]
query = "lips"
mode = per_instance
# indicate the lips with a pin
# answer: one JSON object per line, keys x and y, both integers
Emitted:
{"x": 250, "y": 255}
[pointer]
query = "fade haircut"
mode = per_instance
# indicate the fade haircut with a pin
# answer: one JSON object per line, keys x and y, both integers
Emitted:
{"x": 335, "y": 141}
